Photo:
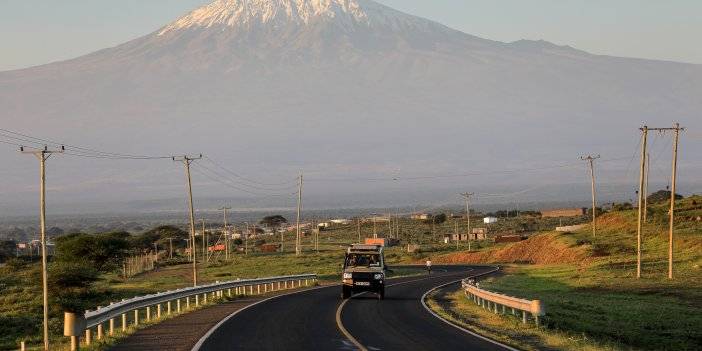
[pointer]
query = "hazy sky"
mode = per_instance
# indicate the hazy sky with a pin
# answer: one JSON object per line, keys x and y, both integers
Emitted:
{"x": 33, "y": 32}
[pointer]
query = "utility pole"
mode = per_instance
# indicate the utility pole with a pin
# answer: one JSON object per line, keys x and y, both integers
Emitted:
{"x": 375, "y": 231}
{"x": 43, "y": 155}
{"x": 298, "y": 248}
{"x": 246, "y": 239}
{"x": 226, "y": 233}
{"x": 170, "y": 248}
{"x": 467, "y": 196}
{"x": 648, "y": 171}
{"x": 390, "y": 225}
{"x": 591, "y": 159}
{"x": 673, "y": 181}
{"x": 186, "y": 162}
{"x": 676, "y": 129}
{"x": 358, "y": 229}
{"x": 642, "y": 175}
{"x": 458, "y": 236}
{"x": 205, "y": 255}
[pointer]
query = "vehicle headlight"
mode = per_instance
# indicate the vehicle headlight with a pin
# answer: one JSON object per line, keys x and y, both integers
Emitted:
{"x": 378, "y": 276}
{"x": 348, "y": 275}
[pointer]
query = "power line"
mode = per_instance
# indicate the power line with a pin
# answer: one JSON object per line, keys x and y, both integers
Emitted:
{"x": 292, "y": 181}
{"x": 217, "y": 177}
{"x": 79, "y": 150}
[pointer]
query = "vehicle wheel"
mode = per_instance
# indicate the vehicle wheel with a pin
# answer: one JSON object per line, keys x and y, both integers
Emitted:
{"x": 345, "y": 292}
{"x": 381, "y": 294}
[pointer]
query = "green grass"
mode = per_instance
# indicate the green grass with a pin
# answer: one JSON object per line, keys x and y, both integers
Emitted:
{"x": 509, "y": 329}
{"x": 601, "y": 298}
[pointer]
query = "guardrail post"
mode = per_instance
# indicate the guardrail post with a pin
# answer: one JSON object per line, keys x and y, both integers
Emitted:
{"x": 158, "y": 311}
{"x": 524, "y": 317}
{"x": 204, "y": 298}
{"x": 495, "y": 305}
{"x": 22, "y": 347}
{"x": 112, "y": 326}
{"x": 187, "y": 302}
{"x": 286, "y": 284}
{"x": 279, "y": 285}
{"x": 88, "y": 337}
{"x": 99, "y": 331}
{"x": 536, "y": 310}
{"x": 197, "y": 300}
{"x": 265, "y": 288}
{"x": 251, "y": 289}
{"x": 306, "y": 284}
{"x": 168, "y": 308}
{"x": 136, "y": 317}
{"x": 148, "y": 313}
{"x": 178, "y": 305}
{"x": 229, "y": 292}
{"x": 258, "y": 289}
{"x": 124, "y": 322}
{"x": 75, "y": 343}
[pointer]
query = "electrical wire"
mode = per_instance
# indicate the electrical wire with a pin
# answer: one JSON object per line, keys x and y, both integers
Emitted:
{"x": 78, "y": 150}
{"x": 213, "y": 176}
{"x": 256, "y": 185}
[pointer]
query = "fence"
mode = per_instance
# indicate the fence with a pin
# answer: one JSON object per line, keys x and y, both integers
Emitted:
{"x": 76, "y": 325}
{"x": 491, "y": 301}
{"x": 138, "y": 264}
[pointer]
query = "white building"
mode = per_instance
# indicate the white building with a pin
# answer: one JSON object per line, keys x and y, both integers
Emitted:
{"x": 490, "y": 220}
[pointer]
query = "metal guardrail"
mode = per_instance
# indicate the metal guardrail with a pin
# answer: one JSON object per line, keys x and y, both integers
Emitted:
{"x": 492, "y": 301}
{"x": 75, "y": 325}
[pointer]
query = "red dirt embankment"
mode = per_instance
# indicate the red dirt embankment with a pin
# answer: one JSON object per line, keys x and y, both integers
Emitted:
{"x": 539, "y": 249}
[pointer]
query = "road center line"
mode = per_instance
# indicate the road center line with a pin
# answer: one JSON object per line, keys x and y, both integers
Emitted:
{"x": 348, "y": 335}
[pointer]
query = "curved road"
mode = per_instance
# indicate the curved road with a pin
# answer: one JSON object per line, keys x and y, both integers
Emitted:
{"x": 308, "y": 320}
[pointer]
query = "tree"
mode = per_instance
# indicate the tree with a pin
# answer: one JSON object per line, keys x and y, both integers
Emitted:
{"x": 70, "y": 284}
{"x": 104, "y": 252}
{"x": 439, "y": 218}
{"x": 661, "y": 196}
{"x": 273, "y": 221}
{"x": 8, "y": 249}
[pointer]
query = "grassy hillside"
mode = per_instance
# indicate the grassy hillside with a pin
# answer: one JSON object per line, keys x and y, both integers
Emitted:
{"x": 593, "y": 293}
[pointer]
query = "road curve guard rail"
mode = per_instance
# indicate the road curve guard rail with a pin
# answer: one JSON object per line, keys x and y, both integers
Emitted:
{"x": 75, "y": 324}
{"x": 492, "y": 301}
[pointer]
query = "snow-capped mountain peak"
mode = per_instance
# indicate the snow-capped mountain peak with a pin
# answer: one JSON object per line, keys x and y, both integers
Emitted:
{"x": 246, "y": 13}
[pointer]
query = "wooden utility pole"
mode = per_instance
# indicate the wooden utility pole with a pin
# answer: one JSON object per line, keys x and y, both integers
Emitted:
{"x": 298, "y": 247}
{"x": 673, "y": 180}
{"x": 458, "y": 236}
{"x": 591, "y": 160}
{"x": 648, "y": 171}
{"x": 226, "y": 233}
{"x": 642, "y": 177}
{"x": 358, "y": 229}
{"x": 676, "y": 129}
{"x": 375, "y": 231}
{"x": 467, "y": 198}
{"x": 43, "y": 155}
{"x": 187, "y": 161}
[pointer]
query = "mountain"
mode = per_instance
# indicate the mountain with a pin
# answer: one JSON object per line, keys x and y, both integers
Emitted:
{"x": 347, "y": 88}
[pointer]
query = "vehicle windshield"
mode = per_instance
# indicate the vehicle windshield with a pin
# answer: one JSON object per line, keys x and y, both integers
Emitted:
{"x": 362, "y": 260}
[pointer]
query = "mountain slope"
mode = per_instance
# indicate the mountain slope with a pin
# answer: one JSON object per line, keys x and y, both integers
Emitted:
{"x": 277, "y": 79}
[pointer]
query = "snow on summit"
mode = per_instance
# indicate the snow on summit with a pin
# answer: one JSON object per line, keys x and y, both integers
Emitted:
{"x": 233, "y": 13}
{"x": 246, "y": 14}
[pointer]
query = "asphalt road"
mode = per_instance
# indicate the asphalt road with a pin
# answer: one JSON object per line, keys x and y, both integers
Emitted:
{"x": 308, "y": 321}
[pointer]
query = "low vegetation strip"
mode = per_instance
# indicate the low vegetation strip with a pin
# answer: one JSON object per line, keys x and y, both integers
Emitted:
{"x": 594, "y": 295}
{"x": 451, "y": 303}
{"x": 492, "y": 301}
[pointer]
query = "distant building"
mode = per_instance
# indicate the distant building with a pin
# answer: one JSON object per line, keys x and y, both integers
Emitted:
{"x": 564, "y": 212}
{"x": 421, "y": 216}
{"x": 490, "y": 220}
{"x": 479, "y": 231}
{"x": 342, "y": 221}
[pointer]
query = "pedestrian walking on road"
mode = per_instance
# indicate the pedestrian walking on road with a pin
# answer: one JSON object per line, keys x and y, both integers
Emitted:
{"x": 429, "y": 266}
